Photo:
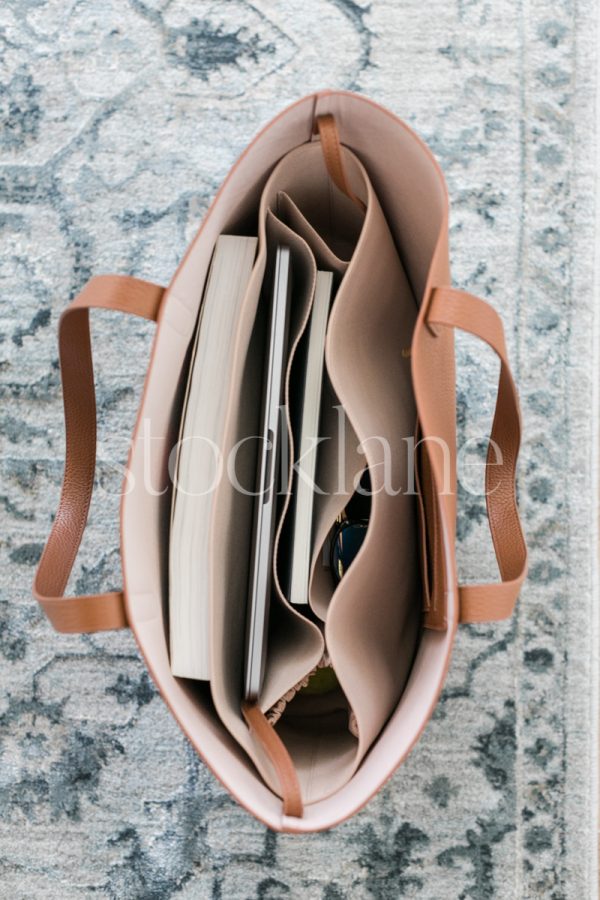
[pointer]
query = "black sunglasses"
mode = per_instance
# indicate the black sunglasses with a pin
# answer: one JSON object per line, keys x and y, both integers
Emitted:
{"x": 346, "y": 540}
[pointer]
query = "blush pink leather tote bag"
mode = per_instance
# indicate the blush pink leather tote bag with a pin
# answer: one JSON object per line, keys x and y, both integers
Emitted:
{"x": 376, "y": 164}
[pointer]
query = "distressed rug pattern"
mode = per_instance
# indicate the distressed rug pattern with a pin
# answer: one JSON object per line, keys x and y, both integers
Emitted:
{"x": 118, "y": 122}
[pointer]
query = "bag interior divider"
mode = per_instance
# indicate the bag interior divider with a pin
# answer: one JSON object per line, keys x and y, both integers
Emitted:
{"x": 371, "y": 620}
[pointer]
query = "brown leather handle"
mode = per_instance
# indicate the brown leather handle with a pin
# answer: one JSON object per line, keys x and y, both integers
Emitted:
{"x": 281, "y": 760}
{"x": 332, "y": 153}
{"x": 103, "y": 611}
{"x": 488, "y": 602}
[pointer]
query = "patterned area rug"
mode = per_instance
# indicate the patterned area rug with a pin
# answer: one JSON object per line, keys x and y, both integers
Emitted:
{"x": 118, "y": 122}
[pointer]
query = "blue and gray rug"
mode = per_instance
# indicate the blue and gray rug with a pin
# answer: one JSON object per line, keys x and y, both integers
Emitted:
{"x": 118, "y": 122}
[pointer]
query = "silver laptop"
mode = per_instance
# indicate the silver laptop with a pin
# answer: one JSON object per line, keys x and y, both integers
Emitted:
{"x": 261, "y": 562}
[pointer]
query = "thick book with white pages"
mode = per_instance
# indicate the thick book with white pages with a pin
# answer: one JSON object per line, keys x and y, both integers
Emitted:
{"x": 308, "y": 445}
{"x": 201, "y": 429}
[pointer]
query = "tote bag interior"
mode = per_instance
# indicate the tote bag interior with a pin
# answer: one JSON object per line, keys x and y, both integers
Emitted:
{"x": 410, "y": 189}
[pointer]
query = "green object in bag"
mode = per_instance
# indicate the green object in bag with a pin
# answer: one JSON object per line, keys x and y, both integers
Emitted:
{"x": 321, "y": 682}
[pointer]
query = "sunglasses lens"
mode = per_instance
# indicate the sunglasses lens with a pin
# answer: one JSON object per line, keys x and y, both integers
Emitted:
{"x": 346, "y": 544}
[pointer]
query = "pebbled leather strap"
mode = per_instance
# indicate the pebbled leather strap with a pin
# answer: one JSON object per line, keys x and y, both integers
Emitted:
{"x": 281, "y": 760}
{"x": 488, "y": 602}
{"x": 330, "y": 144}
{"x": 103, "y": 611}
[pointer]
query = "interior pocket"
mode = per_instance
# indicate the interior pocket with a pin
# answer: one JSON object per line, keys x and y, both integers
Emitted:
{"x": 295, "y": 644}
{"x": 325, "y": 258}
{"x": 280, "y": 653}
{"x": 317, "y": 204}
{"x": 339, "y": 467}
{"x": 339, "y": 462}
{"x": 315, "y": 729}
{"x": 373, "y": 620}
